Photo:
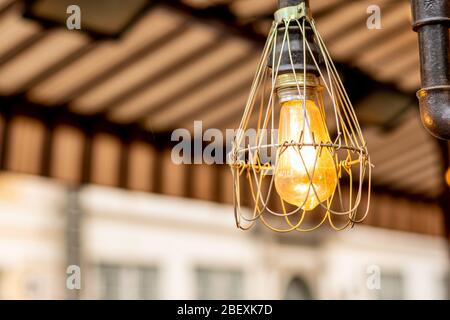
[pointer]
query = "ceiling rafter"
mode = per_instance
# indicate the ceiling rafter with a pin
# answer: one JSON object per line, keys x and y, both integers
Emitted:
{"x": 184, "y": 62}
{"x": 124, "y": 63}
{"x": 20, "y": 105}
{"x": 397, "y": 53}
{"x": 223, "y": 98}
{"x": 417, "y": 187}
{"x": 382, "y": 36}
{"x": 318, "y": 14}
{"x": 357, "y": 23}
{"x": 153, "y": 109}
{"x": 407, "y": 171}
{"x": 398, "y": 163}
{"x": 5, "y": 8}
{"x": 22, "y": 46}
{"x": 58, "y": 66}
{"x": 400, "y": 148}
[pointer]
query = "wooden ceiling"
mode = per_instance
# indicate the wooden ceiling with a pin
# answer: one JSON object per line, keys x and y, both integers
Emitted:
{"x": 195, "y": 59}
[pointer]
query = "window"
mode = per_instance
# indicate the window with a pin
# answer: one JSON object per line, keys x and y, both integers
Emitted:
{"x": 298, "y": 289}
{"x": 109, "y": 279}
{"x": 147, "y": 284}
{"x": 122, "y": 282}
{"x": 219, "y": 284}
{"x": 391, "y": 286}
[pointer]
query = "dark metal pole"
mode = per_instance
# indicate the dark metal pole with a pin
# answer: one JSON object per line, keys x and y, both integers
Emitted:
{"x": 73, "y": 237}
{"x": 431, "y": 22}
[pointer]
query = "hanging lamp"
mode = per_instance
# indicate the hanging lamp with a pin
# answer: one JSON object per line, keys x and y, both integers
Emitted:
{"x": 299, "y": 154}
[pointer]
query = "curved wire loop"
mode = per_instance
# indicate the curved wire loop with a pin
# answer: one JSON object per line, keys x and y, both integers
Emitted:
{"x": 249, "y": 161}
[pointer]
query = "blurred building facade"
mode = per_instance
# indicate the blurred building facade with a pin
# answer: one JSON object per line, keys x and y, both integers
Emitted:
{"x": 136, "y": 245}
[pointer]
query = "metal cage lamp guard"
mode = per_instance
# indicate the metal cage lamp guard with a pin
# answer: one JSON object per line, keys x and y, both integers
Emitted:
{"x": 314, "y": 166}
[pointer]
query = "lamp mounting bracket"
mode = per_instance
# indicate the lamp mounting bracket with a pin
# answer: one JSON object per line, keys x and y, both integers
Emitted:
{"x": 292, "y": 13}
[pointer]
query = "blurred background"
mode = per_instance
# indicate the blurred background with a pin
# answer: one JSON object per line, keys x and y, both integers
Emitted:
{"x": 85, "y": 156}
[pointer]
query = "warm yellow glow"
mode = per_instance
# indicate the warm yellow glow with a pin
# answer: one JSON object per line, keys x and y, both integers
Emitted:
{"x": 291, "y": 174}
{"x": 447, "y": 177}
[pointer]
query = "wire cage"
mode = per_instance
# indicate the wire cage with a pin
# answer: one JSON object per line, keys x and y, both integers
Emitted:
{"x": 319, "y": 150}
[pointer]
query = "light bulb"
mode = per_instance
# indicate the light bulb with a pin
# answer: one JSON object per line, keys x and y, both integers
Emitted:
{"x": 301, "y": 120}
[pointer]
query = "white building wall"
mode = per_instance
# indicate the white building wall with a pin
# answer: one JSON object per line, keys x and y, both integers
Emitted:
{"x": 179, "y": 235}
{"x": 31, "y": 238}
